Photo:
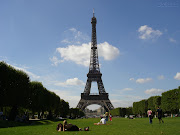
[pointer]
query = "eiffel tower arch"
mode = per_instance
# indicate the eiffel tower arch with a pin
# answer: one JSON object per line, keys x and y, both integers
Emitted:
{"x": 94, "y": 75}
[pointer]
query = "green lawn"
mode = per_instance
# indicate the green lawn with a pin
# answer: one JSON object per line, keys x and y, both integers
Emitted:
{"x": 119, "y": 126}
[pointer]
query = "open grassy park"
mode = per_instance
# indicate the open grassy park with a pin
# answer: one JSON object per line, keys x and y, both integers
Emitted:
{"x": 119, "y": 126}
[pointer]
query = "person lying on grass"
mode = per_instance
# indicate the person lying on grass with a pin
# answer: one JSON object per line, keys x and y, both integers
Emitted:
{"x": 69, "y": 127}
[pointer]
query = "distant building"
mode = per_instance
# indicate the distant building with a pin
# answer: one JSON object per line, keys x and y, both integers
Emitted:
{"x": 96, "y": 113}
{"x": 100, "y": 111}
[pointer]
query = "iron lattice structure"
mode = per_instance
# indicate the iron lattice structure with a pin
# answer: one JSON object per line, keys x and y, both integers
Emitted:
{"x": 94, "y": 75}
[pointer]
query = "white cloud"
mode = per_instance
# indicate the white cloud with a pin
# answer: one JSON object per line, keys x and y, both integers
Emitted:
{"x": 127, "y": 89}
{"x": 55, "y": 61}
{"x": 71, "y": 82}
{"x": 73, "y": 36}
{"x": 177, "y": 76}
{"x": 154, "y": 91}
{"x": 143, "y": 80}
{"x": 78, "y": 54}
{"x": 161, "y": 77}
{"x": 172, "y": 40}
{"x": 147, "y": 32}
{"x": 107, "y": 51}
{"x": 79, "y": 50}
{"x": 81, "y": 54}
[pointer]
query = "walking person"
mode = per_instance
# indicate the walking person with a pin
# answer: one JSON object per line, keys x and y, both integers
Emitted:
{"x": 159, "y": 114}
{"x": 149, "y": 112}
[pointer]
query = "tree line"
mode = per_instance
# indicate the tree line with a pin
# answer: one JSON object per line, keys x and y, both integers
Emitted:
{"x": 169, "y": 102}
{"x": 17, "y": 93}
{"x": 121, "y": 112}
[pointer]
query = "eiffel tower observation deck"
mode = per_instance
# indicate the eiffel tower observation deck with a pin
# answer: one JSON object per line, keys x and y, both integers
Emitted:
{"x": 94, "y": 75}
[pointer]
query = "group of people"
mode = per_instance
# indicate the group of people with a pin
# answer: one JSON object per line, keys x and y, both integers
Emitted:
{"x": 158, "y": 112}
{"x": 70, "y": 127}
{"x": 104, "y": 119}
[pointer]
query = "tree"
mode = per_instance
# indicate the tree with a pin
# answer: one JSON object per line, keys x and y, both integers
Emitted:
{"x": 140, "y": 107}
{"x": 3, "y": 83}
{"x": 143, "y": 107}
{"x": 54, "y": 101}
{"x": 74, "y": 112}
{"x": 42, "y": 99}
{"x": 81, "y": 113}
{"x": 14, "y": 88}
{"x": 129, "y": 111}
{"x": 170, "y": 101}
{"x": 157, "y": 101}
{"x": 154, "y": 102}
{"x": 121, "y": 111}
{"x": 136, "y": 107}
{"x": 178, "y": 97}
{"x": 64, "y": 108}
{"x": 36, "y": 97}
{"x": 115, "y": 112}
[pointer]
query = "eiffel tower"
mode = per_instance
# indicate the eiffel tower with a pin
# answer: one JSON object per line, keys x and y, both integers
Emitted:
{"x": 94, "y": 75}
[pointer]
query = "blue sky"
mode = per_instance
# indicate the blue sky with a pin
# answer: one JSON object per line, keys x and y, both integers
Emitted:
{"x": 138, "y": 45}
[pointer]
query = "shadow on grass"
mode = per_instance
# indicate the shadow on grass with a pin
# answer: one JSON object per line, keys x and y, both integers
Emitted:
{"x": 6, "y": 123}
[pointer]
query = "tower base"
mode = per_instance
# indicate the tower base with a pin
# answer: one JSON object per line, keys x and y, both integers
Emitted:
{"x": 101, "y": 100}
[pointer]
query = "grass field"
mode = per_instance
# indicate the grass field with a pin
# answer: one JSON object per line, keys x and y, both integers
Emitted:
{"x": 119, "y": 126}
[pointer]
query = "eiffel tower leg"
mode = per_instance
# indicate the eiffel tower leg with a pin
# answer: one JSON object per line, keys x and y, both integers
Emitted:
{"x": 87, "y": 87}
{"x": 80, "y": 104}
{"x": 100, "y": 86}
{"x": 108, "y": 105}
{"x": 105, "y": 106}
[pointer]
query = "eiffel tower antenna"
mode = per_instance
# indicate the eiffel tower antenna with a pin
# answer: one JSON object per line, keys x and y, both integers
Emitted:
{"x": 94, "y": 75}
{"x": 93, "y": 12}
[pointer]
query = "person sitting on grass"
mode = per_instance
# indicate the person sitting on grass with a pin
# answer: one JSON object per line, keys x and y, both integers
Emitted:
{"x": 102, "y": 121}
